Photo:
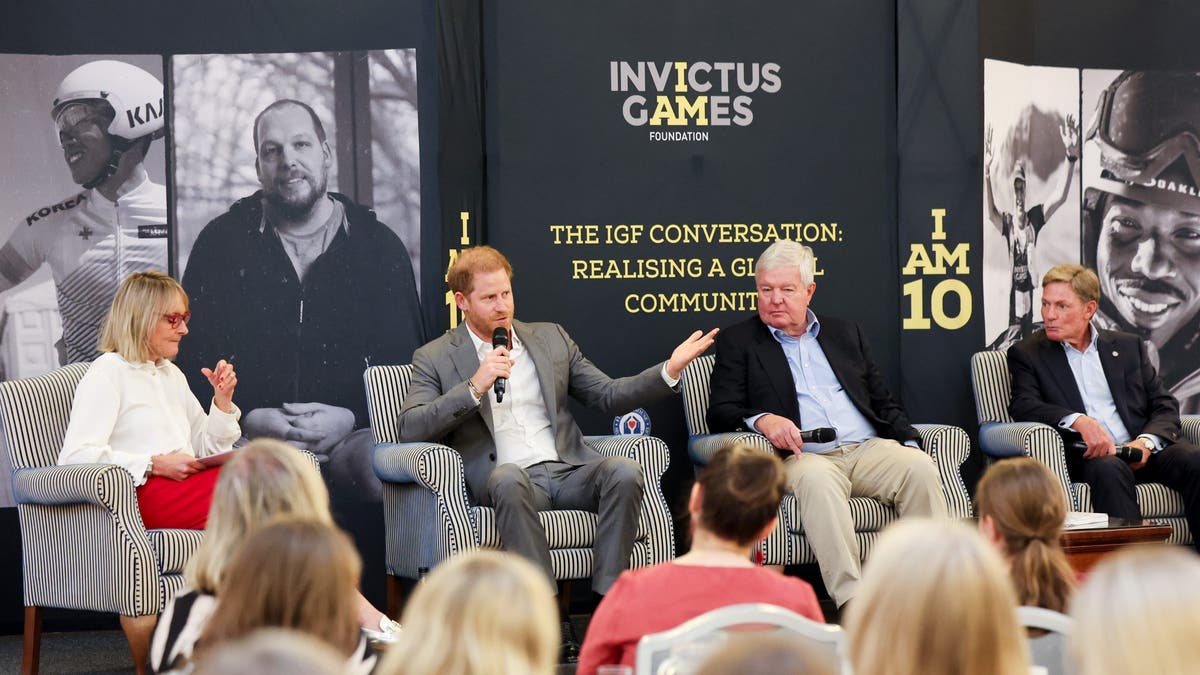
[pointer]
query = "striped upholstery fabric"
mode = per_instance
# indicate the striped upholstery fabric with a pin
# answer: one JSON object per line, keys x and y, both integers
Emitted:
{"x": 429, "y": 517}
{"x": 1000, "y": 436}
{"x": 949, "y": 446}
{"x": 1155, "y": 499}
{"x": 82, "y": 539}
{"x": 992, "y": 386}
{"x": 173, "y": 548}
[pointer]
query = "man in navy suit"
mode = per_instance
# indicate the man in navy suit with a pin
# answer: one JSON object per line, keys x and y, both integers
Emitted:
{"x": 1101, "y": 385}
{"x": 786, "y": 369}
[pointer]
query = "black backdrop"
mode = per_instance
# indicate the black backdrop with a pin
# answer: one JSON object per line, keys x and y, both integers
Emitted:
{"x": 561, "y": 156}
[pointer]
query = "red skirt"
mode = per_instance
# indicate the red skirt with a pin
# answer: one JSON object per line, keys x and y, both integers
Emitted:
{"x": 180, "y": 504}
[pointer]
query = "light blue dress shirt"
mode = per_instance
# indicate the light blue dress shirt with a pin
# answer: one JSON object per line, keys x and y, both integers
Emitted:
{"x": 1098, "y": 400}
{"x": 823, "y": 402}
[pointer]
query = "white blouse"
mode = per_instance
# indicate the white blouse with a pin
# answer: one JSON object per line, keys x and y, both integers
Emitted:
{"x": 124, "y": 413}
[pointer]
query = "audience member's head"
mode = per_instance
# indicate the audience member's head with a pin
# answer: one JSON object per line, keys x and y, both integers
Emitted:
{"x": 273, "y": 651}
{"x": 293, "y": 573}
{"x": 263, "y": 480}
{"x": 479, "y": 613}
{"x": 935, "y": 599}
{"x": 737, "y": 495}
{"x": 1139, "y": 612}
{"x": 770, "y": 654}
{"x": 1021, "y": 510}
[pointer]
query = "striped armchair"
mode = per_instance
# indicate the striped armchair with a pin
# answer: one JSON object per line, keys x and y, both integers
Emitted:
{"x": 1000, "y": 437}
{"x": 83, "y": 543}
{"x": 786, "y": 545}
{"x": 430, "y": 518}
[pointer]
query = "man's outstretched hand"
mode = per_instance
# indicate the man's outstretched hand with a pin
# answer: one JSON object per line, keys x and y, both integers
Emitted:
{"x": 696, "y": 344}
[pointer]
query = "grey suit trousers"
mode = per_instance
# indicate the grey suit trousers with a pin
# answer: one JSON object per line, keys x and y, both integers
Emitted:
{"x": 611, "y": 487}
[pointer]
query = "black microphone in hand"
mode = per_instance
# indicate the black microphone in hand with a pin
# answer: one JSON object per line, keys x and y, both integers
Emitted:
{"x": 1125, "y": 453}
{"x": 818, "y": 435}
{"x": 500, "y": 339}
{"x": 1129, "y": 454}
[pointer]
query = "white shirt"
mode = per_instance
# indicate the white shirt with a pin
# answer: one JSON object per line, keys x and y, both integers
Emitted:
{"x": 1098, "y": 401}
{"x": 520, "y": 424}
{"x": 124, "y": 413}
{"x": 91, "y": 245}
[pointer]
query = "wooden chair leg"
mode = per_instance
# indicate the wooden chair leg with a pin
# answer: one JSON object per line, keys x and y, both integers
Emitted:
{"x": 138, "y": 630}
{"x": 31, "y": 652}
{"x": 564, "y": 598}
{"x": 395, "y": 597}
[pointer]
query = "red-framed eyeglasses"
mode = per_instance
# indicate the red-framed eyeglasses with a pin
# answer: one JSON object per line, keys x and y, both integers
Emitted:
{"x": 176, "y": 319}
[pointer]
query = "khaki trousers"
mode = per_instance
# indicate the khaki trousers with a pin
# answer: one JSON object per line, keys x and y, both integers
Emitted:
{"x": 897, "y": 475}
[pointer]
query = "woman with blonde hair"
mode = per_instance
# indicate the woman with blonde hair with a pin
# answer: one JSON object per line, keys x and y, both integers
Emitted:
{"x": 264, "y": 480}
{"x": 133, "y": 407}
{"x": 1021, "y": 511}
{"x": 935, "y": 600}
{"x": 1153, "y": 593}
{"x": 297, "y": 574}
{"x": 479, "y": 613}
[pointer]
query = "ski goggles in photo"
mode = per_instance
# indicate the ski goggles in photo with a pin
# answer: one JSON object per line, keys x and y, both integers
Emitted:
{"x": 1146, "y": 122}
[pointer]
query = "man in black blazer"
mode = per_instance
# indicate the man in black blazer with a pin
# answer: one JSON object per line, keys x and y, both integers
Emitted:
{"x": 1101, "y": 385}
{"x": 786, "y": 369}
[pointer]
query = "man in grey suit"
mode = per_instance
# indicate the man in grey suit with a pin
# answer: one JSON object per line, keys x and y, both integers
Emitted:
{"x": 525, "y": 453}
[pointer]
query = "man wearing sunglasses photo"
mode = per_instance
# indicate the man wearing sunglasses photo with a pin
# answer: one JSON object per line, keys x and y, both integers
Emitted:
{"x": 1142, "y": 218}
{"x": 106, "y": 115}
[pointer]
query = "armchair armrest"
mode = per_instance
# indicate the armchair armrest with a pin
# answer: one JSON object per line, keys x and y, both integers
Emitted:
{"x": 655, "y": 519}
{"x": 649, "y": 451}
{"x": 702, "y": 448}
{"x": 415, "y": 463}
{"x": 1019, "y": 439}
{"x": 1030, "y": 439}
{"x": 1191, "y": 428}
{"x": 104, "y": 485}
{"x": 425, "y": 508}
{"x": 949, "y": 446}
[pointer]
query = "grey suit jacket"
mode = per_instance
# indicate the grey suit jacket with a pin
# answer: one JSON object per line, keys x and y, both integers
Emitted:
{"x": 439, "y": 406}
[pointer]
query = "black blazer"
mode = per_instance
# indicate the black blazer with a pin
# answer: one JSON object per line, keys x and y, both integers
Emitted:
{"x": 1044, "y": 390}
{"x": 751, "y": 376}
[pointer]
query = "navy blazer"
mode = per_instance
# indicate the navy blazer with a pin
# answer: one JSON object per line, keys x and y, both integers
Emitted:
{"x": 751, "y": 376}
{"x": 1044, "y": 389}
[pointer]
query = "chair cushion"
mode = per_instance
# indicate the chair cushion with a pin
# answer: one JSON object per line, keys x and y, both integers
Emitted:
{"x": 1159, "y": 501}
{"x": 1155, "y": 499}
{"x": 173, "y": 548}
{"x": 565, "y": 529}
{"x": 869, "y": 515}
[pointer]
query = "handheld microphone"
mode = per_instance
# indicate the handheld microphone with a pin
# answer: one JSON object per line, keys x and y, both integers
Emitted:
{"x": 500, "y": 339}
{"x": 1125, "y": 453}
{"x": 818, "y": 435}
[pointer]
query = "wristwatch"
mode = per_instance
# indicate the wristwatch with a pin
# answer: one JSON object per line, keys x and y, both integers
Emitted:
{"x": 1146, "y": 443}
{"x": 149, "y": 470}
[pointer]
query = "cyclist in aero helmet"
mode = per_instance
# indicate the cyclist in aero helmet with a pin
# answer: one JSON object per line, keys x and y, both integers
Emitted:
{"x": 106, "y": 115}
{"x": 1142, "y": 218}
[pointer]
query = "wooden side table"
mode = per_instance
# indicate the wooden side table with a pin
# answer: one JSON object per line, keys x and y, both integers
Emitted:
{"x": 1085, "y": 546}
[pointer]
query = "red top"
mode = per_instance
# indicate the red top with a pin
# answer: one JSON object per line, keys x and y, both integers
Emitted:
{"x": 658, "y": 598}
